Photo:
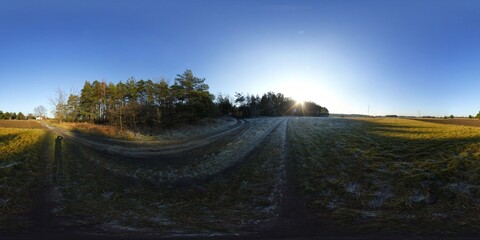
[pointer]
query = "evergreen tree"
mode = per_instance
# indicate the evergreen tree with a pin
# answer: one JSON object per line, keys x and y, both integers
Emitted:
{"x": 20, "y": 116}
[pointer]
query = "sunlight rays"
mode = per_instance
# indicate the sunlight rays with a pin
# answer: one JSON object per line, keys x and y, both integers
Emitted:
{"x": 295, "y": 108}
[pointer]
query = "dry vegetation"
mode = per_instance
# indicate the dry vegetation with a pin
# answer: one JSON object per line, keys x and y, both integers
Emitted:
{"x": 22, "y": 171}
{"x": 389, "y": 174}
{"x": 19, "y": 124}
{"x": 203, "y": 127}
{"x": 454, "y": 121}
{"x": 393, "y": 175}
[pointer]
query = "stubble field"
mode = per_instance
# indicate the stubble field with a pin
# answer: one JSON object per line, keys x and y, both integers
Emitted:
{"x": 279, "y": 177}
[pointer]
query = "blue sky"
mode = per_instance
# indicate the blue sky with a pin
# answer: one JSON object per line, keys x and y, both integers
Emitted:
{"x": 392, "y": 57}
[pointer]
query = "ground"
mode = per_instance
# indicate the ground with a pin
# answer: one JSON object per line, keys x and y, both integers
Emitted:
{"x": 256, "y": 178}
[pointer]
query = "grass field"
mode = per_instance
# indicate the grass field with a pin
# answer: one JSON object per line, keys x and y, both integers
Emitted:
{"x": 20, "y": 124}
{"x": 22, "y": 171}
{"x": 389, "y": 174}
{"x": 353, "y": 175}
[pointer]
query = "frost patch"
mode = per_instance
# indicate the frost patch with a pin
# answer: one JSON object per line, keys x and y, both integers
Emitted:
{"x": 417, "y": 197}
{"x": 162, "y": 220}
{"x": 369, "y": 214}
{"x": 9, "y": 164}
{"x": 460, "y": 187}
{"x": 332, "y": 204}
{"x": 107, "y": 195}
{"x": 380, "y": 197}
{"x": 115, "y": 225}
{"x": 352, "y": 187}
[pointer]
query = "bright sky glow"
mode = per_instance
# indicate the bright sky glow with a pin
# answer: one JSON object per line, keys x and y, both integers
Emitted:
{"x": 385, "y": 57}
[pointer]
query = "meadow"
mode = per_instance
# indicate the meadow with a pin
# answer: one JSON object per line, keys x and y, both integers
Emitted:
{"x": 288, "y": 176}
{"x": 389, "y": 174}
{"x": 22, "y": 171}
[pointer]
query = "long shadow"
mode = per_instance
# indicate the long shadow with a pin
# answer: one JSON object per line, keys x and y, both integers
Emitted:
{"x": 16, "y": 174}
{"x": 7, "y": 137}
{"x": 432, "y": 156}
{"x": 44, "y": 197}
{"x": 57, "y": 164}
{"x": 375, "y": 129}
{"x": 458, "y": 122}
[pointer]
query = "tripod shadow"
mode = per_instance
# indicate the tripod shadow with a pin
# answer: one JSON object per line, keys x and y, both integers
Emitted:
{"x": 58, "y": 157}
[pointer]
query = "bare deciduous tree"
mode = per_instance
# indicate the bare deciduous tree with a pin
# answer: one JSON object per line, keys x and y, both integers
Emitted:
{"x": 60, "y": 105}
{"x": 40, "y": 111}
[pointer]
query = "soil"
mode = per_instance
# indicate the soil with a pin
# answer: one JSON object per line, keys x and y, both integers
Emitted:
{"x": 20, "y": 124}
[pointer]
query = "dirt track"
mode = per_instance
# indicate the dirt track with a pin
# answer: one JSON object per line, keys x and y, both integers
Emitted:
{"x": 247, "y": 146}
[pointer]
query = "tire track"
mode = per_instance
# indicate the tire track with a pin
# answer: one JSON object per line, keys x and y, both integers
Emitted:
{"x": 147, "y": 150}
{"x": 181, "y": 165}
{"x": 294, "y": 220}
{"x": 263, "y": 149}
{"x": 239, "y": 159}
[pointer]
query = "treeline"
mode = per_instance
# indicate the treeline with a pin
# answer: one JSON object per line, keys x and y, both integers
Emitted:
{"x": 145, "y": 103}
{"x": 269, "y": 104}
{"x": 15, "y": 116}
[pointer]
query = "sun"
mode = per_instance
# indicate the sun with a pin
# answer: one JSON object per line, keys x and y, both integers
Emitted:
{"x": 298, "y": 90}
{"x": 299, "y": 96}
{"x": 300, "y": 102}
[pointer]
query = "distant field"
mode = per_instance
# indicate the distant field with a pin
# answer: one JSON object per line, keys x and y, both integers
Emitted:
{"x": 455, "y": 121}
{"x": 20, "y": 124}
{"x": 391, "y": 174}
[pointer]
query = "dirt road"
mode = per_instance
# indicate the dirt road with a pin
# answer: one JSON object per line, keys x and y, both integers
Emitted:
{"x": 251, "y": 154}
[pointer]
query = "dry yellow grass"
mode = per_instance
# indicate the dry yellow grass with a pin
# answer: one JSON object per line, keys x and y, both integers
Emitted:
{"x": 95, "y": 129}
{"x": 21, "y": 168}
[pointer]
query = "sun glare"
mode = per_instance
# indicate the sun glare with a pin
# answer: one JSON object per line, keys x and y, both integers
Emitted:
{"x": 298, "y": 94}
{"x": 297, "y": 90}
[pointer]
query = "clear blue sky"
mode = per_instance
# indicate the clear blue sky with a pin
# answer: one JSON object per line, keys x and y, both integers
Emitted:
{"x": 398, "y": 57}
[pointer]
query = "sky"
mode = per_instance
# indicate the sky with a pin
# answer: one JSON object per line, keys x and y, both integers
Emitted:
{"x": 363, "y": 57}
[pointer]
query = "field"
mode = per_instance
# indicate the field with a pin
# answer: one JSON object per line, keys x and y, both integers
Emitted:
{"x": 455, "y": 121}
{"x": 22, "y": 172}
{"x": 396, "y": 175}
{"x": 264, "y": 177}
{"x": 20, "y": 124}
